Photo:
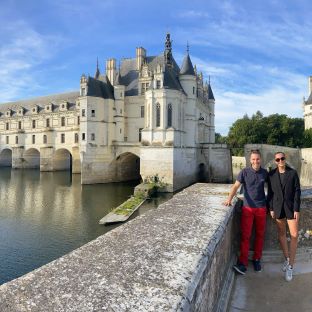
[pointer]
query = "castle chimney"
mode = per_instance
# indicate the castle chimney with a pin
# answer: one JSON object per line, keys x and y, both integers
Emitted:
{"x": 140, "y": 56}
{"x": 310, "y": 85}
{"x": 111, "y": 70}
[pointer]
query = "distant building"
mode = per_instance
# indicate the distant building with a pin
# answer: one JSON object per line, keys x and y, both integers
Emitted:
{"x": 143, "y": 118}
{"x": 307, "y": 108}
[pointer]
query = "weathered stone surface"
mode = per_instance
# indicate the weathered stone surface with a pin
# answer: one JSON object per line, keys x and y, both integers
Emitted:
{"x": 172, "y": 258}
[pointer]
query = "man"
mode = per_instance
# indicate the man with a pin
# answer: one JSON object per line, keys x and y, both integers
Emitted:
{"x": 284, "y": 204}
{"x": 253, "y": 211}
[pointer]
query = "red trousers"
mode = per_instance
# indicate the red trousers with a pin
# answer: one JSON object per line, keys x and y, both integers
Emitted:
{"x": 250, "y": 216}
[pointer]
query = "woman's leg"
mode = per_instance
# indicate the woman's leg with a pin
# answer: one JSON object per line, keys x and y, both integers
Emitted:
{"x": 281, "y": 230}
{"x": 293, "y": 229}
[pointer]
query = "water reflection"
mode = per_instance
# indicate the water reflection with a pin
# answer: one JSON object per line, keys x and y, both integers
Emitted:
{"x": 44, "y": 215}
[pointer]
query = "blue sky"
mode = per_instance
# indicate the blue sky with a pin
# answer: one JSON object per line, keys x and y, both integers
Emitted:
{"x": 257, "y": 53}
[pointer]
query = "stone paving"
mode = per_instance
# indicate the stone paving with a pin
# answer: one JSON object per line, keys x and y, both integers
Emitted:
{"x": 268, "y": 291}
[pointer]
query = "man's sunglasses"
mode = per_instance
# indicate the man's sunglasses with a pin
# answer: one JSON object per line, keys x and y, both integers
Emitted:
{"x": 279, "y": 159}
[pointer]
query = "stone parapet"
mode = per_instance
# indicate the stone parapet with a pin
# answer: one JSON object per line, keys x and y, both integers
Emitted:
{"x": 177, "y": 257}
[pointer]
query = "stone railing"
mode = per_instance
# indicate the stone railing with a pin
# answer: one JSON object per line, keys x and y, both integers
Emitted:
{"x": 177, "y": 257}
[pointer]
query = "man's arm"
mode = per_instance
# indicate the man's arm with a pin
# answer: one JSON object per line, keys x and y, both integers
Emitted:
{"x": 232, "y": 193}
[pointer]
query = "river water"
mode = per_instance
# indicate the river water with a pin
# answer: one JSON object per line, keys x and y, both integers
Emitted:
{"x": 44, "y": 215}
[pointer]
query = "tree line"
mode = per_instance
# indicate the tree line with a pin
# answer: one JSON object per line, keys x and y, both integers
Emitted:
{"x": 274, "y": 129}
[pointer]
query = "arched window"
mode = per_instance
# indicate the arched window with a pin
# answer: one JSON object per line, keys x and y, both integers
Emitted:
{"x": 157, "y": 115}
{"x": 44, "y": 139}
{"x": 169, "y": 116}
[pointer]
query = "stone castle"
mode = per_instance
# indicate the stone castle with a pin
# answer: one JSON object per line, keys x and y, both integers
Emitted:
{"x": 144, "y": 118}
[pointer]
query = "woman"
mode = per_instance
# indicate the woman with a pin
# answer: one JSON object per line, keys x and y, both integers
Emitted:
{"x": 284, "y": 204}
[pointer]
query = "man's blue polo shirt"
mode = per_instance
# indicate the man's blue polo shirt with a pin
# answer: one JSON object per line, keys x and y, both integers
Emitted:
{"x": 253, "y": 183}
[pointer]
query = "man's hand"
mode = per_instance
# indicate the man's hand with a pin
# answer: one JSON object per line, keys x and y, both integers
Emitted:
{"x": 232, "y": 193}
{"x": 272, "y": 214}
{"x": 228, "y": 202}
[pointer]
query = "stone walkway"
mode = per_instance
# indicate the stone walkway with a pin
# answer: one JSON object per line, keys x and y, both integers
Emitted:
{"x": 268, "y": 290}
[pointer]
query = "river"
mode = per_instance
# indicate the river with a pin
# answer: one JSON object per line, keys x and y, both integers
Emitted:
{"x": 44, "y": 215}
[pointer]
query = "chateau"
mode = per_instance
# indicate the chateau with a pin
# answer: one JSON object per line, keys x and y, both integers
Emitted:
{"x": 307, "y": 108}
{"x": 143, "y": 118}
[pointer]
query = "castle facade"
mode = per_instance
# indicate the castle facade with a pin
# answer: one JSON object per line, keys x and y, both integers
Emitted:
{"x": 144, "y": 118}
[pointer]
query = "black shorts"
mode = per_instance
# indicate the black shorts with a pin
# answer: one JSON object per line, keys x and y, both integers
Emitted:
{"x": 283, "y": 215}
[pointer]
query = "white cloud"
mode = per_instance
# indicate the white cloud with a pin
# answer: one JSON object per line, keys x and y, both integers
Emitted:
{"x": 21, "y": 53}
{"x": 275, "y": 100}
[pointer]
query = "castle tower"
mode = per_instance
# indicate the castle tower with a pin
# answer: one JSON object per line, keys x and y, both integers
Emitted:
{"x": 187, "y": 79}
{"x": 119, "y": 116}
{"x": 111, "y": 70}
{"x": 307, "y": 107}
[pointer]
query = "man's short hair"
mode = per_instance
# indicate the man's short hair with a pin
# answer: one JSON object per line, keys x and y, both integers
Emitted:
{"x": 255, "y": 151}
{"x": 279, "y": 153}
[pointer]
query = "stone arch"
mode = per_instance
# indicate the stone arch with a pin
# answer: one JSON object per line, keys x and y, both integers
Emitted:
{"x": 31, "y": 158}
{"x": 62, "y": 160}
{"x": 127, "y": 167}
{"x": 6, "y": 158}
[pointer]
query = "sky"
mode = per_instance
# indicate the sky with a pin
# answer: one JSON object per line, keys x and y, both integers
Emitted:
{"x": 258, "y": 54}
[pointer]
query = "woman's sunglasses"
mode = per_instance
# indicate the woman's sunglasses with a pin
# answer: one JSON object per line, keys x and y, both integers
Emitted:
{"x": 279, "y": 159}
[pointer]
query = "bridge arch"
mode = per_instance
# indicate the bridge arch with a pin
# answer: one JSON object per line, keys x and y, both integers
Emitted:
{"x": 6, "y": 158}
{"x": 62, "y": 160}
{"x": 31, "y": 158}
{"x": 127, "y": 167}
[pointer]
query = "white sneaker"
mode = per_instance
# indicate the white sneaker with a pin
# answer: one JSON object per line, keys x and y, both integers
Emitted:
{"x": 289, "y": 273}
{"x": 285, "y": 264}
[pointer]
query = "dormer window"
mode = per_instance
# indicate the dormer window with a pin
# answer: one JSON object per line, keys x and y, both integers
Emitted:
{"x": 8, "y": 113}
{"x": 34, "y": 110}
{"x": 144, "y": 87}
{"x": 20, "y": 111}
{"x": 63, "y": 106}
{"x": 83, "y": 92}
{"x": 48, "y": 108}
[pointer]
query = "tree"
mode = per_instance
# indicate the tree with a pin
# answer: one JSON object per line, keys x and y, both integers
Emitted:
{"x": 220, "y": 138}
{"x": 274, "y": 129}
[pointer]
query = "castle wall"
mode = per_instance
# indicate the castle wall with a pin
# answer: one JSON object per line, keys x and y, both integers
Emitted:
{"x": 180, "y": 167}
{"x": 219, "y": 163}
{"x": 306, "y": 167}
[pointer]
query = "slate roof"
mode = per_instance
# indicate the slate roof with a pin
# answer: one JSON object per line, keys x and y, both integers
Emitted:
{"x": 187, "y": 66}
{"x": 309, "y": 100}
{"x": 210, "y": 93}
{"x": 129, "y": 75}
{"x": 41, "y": 101}
{"x": 100, "y": 87}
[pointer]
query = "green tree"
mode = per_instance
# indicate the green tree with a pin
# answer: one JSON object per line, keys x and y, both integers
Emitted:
{"x": 220, "y": 138}
{"x": 274, "y": 129}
